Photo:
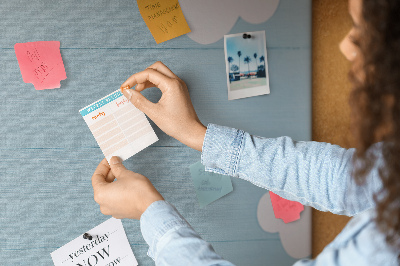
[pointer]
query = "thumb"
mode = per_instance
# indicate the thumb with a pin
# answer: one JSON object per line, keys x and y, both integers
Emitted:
{"x": 117, "y": 167}
{"x": 138, "y": 100}
{"x": 100, "y": 174}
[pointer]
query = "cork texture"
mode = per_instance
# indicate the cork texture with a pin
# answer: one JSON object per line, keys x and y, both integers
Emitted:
{"x": 331, "y": 89}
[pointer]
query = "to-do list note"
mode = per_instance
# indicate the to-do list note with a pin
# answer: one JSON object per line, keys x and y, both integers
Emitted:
{"x": 118, "y": 126}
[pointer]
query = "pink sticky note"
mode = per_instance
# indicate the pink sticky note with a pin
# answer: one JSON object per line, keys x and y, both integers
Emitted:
{"x": 41, "y": 64}
{"x": 284, "y": 209}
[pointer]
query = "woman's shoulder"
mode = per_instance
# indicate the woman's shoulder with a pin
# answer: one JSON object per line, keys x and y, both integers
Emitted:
{"x": 362, "y": 239}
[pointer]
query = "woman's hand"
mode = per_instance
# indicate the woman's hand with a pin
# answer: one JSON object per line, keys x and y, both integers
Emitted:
{"x": 128, "y": 197}
{"x": 173, "y": 113}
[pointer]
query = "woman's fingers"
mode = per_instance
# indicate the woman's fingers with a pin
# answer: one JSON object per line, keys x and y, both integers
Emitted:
{"x": 174, "y": 112}
{"x": 110, "y": 177}
{"x": 159, "y": 80}
{"x": 141, "y": 102}
{"x": 160, "y": 67}
{"x": 100, "y": 174}
{"x": 142, "y": 86}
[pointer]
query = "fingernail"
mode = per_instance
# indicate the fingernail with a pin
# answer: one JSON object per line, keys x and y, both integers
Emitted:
{"x": 115, "y": 160}
{"x": 124, "y": 88}
{"x": 128, "y": 94}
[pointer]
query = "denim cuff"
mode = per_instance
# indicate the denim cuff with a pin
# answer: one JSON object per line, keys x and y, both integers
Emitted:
{"x": 222, "y": 148}
{"x": 159, "y": 219}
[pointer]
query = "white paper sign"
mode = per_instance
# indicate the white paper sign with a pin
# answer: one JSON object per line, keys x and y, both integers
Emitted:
{"x": 109, "y": 247}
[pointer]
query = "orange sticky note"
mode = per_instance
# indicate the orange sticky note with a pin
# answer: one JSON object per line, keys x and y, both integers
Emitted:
{"x": 164, "y": 18}
{"x": 41, "y": 64}
{"x": 284, "y": 209}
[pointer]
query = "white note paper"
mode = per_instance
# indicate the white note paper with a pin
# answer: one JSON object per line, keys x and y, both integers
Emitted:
{"x": 108, "y": 247}
{"x": 118, "y": 126}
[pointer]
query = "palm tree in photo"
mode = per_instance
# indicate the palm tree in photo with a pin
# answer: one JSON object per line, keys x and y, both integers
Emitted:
{"x": 255, "y": 60}
{"x": 230, "y": 60}
{"x": 234, "y": 68}
{"x": 262, "y": 59}
{"x": 247, "y": 60}
{"x": 239, "y": 53}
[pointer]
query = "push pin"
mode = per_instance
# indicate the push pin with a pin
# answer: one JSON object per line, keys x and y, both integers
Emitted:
{"x": 125, "y": 88}
{"x": 87, "y": 236}
{"x": 246, "y": 36}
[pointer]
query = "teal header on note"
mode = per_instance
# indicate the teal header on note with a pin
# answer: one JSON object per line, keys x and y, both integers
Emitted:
{"x": 100, "y": 103}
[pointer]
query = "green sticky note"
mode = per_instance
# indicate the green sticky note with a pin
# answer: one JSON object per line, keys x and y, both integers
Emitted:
{"x": 209, "y": 186}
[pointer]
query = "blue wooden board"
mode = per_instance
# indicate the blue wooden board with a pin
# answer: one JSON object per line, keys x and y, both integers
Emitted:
{"x": 47, "y": 153}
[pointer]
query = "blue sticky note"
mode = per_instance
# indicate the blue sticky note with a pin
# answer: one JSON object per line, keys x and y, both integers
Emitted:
{"x": 209, "y": 186}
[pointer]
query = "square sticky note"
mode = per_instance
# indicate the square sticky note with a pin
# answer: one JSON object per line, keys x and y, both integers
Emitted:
{"x": 118, "y": 126}
{"x": 209, "y": 186}
{"x": 41, "y": 63}
{"x": 164, "y": 18}
{"x": 287, "y": 210}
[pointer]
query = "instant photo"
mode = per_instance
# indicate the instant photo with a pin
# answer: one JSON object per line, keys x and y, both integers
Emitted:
{"x": 246, "y": 64}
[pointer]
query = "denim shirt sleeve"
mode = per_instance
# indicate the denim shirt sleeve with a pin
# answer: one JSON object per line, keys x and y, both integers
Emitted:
{"x": 312, "y": 173}
{"x": 172, "y": 241}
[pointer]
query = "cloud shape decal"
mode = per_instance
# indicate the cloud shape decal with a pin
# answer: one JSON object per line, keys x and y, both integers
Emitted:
{"x": 210, "y": 20}
{"x": 294, "y": 236}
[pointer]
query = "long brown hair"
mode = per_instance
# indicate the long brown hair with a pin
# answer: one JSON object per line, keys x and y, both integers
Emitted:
{"x": 375, "y": 103}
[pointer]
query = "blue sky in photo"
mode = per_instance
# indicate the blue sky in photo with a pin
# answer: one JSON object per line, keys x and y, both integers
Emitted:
{"x": 248, "y": 47}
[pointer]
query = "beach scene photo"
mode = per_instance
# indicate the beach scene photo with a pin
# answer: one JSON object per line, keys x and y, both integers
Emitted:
{"x": 246, "y": 64}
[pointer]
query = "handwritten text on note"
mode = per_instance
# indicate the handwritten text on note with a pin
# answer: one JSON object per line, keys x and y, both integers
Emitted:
{"x": 209, "y": 186}
{"x": 41, "y": 63}
{"x": 164, "y": 18}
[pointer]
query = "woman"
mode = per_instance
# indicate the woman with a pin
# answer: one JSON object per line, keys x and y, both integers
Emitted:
{"x": 362, "y": 182}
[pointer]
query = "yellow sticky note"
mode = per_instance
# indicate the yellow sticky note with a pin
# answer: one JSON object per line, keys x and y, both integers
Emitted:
{"x": 164, "y": 18}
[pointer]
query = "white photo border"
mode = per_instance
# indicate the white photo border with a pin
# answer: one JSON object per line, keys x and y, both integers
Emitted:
{"x": 248, "y": 92}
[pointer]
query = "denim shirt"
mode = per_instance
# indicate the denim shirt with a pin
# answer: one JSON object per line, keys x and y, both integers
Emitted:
{"x": 312, "y": 173}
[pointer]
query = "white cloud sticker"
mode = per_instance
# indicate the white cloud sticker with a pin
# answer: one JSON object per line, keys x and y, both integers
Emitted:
{"x": 295, "y": 236}
{"x": 210, "y": 20}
